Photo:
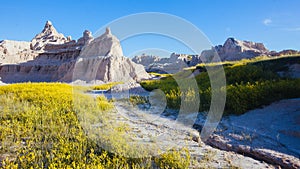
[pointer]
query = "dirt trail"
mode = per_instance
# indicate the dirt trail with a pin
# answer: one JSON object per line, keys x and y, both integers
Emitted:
{"x": 150, "y": 129}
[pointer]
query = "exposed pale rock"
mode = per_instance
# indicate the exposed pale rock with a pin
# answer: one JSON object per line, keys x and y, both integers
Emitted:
{"x": 102, "y": 59}
{"x": 59, "y": 60}
{"x": 107, "y": 69}
{"x": 234, "y": 49}
{"x": 15, "y": 51}
{"x": 173, "y": 64}
{"x": 104, "y": 45}
{"x": 49, "y": 35}
{"x": 131, "y": 87}
{"x": 86, "y": 38}
{"x": 146, "y": 60}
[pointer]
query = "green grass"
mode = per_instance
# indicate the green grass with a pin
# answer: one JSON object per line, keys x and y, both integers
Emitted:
{"x": 250, "y": 84}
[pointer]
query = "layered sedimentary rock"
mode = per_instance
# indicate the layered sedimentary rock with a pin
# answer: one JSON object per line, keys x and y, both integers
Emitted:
{"x": 15, "y": 51}
{"x": 52, "y": 57}
{"x": 49, "y": 35}
{"x": 173, "y": 64}
{"x": 232, "y": 49}
{"x": 109, "y": 46}
{"x": 102, "y": 59}
{"x": 106, "y": 69}
{"x": 146, "y": 60}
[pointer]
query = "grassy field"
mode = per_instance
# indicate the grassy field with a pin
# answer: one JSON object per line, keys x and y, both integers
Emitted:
{"x": 250, "y": 84}
{"x": 50, "y": 125}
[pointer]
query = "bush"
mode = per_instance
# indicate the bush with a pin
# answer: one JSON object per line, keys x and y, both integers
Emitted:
{"x": 174, "y": 159}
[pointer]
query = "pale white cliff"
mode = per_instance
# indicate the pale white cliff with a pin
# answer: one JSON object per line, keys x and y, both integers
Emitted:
{"x": 104, "y": 45}
{"x": 49, "y": 35}
{"x": 52, "y": 57}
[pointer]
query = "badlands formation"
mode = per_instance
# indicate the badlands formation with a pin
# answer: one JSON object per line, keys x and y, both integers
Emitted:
{"x": 50, "y": 56}
{"x": 231, "y": 50}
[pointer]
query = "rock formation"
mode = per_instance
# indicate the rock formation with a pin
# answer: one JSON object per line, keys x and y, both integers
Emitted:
{"x": 105, "y": 45}
{"x": 15, "y": 51}
{"x": 52, "y": 57}
{"x": 102, "y": 59}
{"x": 146, "y": 60}
{"x": 173, "y": 64}
{"x": 86, "y": 38}
{"x": 232, "y": 49}
{"x": 49, "y": 35}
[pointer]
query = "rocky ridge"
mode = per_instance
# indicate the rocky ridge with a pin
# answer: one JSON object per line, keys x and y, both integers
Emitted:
{"x": 231, "y": 50}
{"x": 50, "y": 56}
{"x": 234, "y": 49}
{"x": 173, "y": 64}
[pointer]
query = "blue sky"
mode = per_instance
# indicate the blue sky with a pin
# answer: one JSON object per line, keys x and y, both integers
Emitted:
{"x": 276, "y": 23}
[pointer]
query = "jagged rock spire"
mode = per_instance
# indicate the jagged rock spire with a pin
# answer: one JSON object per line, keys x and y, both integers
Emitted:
{"x": 107, "y": 30}
{"x": 47, "y": 36}
{"x": 86, "y": 38}
{"x": 49, "y": 28}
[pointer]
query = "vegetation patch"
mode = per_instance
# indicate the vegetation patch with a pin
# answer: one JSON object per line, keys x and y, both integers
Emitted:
{"x": 54, "y": 125}
{"x": 250, "y": 85}
{"x": 106, "y": 86}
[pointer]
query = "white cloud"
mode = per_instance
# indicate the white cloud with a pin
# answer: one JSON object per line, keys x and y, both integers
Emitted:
{"x": 267, "y": 22}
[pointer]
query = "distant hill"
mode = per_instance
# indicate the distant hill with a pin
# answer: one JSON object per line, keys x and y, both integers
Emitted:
{"x": 231, "y": 50}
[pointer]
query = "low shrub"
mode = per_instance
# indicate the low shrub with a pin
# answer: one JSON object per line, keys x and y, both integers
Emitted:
{"x": 174, "y": 159}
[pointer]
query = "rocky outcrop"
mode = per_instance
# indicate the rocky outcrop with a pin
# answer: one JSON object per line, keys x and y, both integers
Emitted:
{"x": 145, "y": 60}
{"x": 102, "y": 59}
{"x": 52, "y": 57}
{"x": 285, "y": 52}
{"x": 86, "y": 38}
{"x": 105, "y": 45}
{"x": 15, "y": 51}
{"x": 173, "y": 64}
{"x": 49, "y": 35}
{"x": 234, "y": 49}
{"x": 106, "y": 69}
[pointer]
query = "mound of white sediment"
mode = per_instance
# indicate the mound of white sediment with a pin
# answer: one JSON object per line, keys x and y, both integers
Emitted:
{"x": 104, "y": 45}
{"x": 102, "y": 59}
{"x": 15, "y": 51}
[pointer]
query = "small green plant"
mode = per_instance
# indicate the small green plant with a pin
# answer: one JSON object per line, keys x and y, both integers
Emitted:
{"x": 135, "y": 99}
{"x": 174, "y": 159}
